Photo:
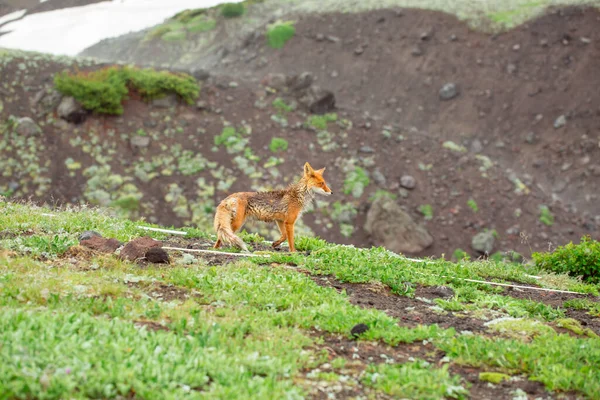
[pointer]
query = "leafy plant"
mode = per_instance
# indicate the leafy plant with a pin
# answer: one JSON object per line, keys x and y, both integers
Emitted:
{"x": 281, "y": 106}
{"x": 460, "y": 255}
{"x": 582, "y": 259}
{"x": 278, "y": 144}
{"x": 280, "y": 33}
{"x": 546, "y": 216}
{"x": 473, "y": 205}
{"x": 356, "y": 181}
{"x": 427, "y": 211}
{"x": 319, "y": 122}
{"x": 232, "y": 10}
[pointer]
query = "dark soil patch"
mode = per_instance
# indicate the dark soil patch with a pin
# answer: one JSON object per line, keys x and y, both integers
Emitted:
{"x": 151, "y": 325}
{"x": 409, "y": 311}
{"x": 163, "y": 292}
{"x": 100, "y": 244}
{"x": 137, "y": 249}
{"x": 359, "y": 354}
{"x": 555, "y": 299}
{"x": 586, "y": 320}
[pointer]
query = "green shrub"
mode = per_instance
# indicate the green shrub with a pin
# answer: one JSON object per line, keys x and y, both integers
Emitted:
{"x": 356, "y": 181}
{"x": 427, "y": 211}
{"x": 279, "y": 34}
{"x": 473, "y": 205}
{"x": 278, "y": 144}
{"x": 232, "y": 10}
{"x": 582, "y": 259}
{"x": 174, "y": 36}
{"x": 546, "y": 216}
{"x": 104, "y": 90}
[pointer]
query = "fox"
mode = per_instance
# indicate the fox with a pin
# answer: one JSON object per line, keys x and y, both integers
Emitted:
{"x": 283, "y": 207}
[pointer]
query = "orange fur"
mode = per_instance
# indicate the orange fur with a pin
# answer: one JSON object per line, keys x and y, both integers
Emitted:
{"x": 280, "y": 206}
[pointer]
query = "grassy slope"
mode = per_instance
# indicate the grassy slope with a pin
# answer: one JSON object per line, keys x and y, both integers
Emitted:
{"x": 70, "y": 323}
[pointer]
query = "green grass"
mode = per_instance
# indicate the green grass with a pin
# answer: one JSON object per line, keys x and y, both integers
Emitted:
{"x": 415, "y": 380}
{"x": 279, "y": 33}
{"x": 70, "y": 325}
{"x": 278, "y": 144}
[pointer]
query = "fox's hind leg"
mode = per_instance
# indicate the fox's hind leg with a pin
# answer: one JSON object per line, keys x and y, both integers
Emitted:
{"x": 283, "y": 237}
{"x": 218, "y": 244}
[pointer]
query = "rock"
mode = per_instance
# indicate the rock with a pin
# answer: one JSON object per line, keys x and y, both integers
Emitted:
{"x": 358, "y": 329}
{"x": 103, "y": 245}
{"x": 275, "y": 81}
{"x": 201, "y": 105}
{"x": 333, "y": 39}
{"x": 442, "y": 291}
{"x": 378, "y": 177}
{"x": 137, "y": 248}
{"x": 476, "y": 146}
{"x": 560, "y": 122}
{"x": 511, "y": 68}
{"x": 200, "y": 74}
{"x": 139, "y": 141}
{"x": 157, "y": 255}
{"x": 318, "y": 101}
{"x": 320, "y": 37}
{"x": 70, "y": 110}
{"x": 300, "y": 82}
{"x": 359, "y": 50}
{"x": 393, "y": 228}
{"x": 416, "y": 51}
{"x": 167, "y": 101}
{"x": 366, "y": 149}
{"x": 27, "y": 127}
{"x": 530, "y": 137}
{"x": 408, "y": 182}
{"x": 448, "y": 91}
{"x": 483, "y": 242}
{"x": 88, "y": 235}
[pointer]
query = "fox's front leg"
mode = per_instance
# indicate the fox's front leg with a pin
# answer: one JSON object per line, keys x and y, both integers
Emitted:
{"x": 281, "y": 227}
{"x": 289, "y": 229}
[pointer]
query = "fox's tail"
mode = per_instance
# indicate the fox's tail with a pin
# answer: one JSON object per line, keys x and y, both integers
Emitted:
{"x": 224, "y": 231}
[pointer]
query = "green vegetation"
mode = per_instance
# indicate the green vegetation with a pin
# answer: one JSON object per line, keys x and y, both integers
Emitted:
{"x": 279, "y": 33}
{"x": 472, "y": 205}
{"x": 232, "y": 10}
{"x": 257, "y": 328}
{"x": 320, "y": 122}
{"x": 104, "y": 90}
{"x": 427, "y": 211}
{"x": 281, "y": 106}
{"x": 546, "y": 216}
{"x": 415, "y": 380}
{"x": 232, "y": 139}
{"x": 278, "y": 144}
{"x": 460, "y": 255}
{"x": 582, "y": 259}
{"x": 356, "y": 181}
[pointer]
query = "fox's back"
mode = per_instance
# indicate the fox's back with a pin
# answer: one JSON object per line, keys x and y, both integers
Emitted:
{"x": 268, "y": 206}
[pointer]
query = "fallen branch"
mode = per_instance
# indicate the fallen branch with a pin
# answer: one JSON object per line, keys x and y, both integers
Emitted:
{"x": 147, "y": 228}
{"x": 217, "y": 252}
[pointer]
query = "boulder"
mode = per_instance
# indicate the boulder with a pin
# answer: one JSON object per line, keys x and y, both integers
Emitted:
{"x": 70, "y": 110}
{"x": 483, "y": 242}
{"x": 394, "y": 229}
{"x": 27, "y": 127}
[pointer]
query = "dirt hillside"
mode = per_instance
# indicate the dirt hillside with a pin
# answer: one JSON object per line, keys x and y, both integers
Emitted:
{"x": 470, "y": 132}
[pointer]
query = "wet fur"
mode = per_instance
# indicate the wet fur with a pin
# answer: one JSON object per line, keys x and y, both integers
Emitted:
{"x": 283, "y": 207}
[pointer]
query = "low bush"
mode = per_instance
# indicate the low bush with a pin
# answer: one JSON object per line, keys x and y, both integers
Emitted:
{"x": 232, "y": 10}
{"x": 279, "y": 34}
{"x": 581, "y": 259}
{"x": 104, "y": 90}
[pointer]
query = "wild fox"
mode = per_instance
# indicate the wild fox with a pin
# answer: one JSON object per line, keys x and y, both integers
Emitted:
{"x": 282, "y": 206}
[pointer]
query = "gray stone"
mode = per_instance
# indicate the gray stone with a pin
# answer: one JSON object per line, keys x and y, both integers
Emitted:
{"x": 530, "y": 137}
{"x": 27, "y": 127}
{"x": 449, "y": 91}
{"x": 476, "y": 146}
{"x": 88, "y": 235}
{"x": 408, "y": 182}
{"x": 140, "y": 141}
{"x": 165, "y": 102}
{"x": 200, "y": 74}
{"x": 378, "y": 177}
{"x": 560, "y": 122}
{"x": 416, "y": 51}
{"x": 393, "y": 228}
{"x": 367, "y": 149}
{"x": 483, "y": 242}
{"x": 70, "y": 110}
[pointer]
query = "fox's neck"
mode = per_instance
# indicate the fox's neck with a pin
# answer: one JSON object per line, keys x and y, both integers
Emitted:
{"x": 301, "y": 192}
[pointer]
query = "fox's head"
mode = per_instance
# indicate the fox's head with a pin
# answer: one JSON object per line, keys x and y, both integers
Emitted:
{"x": 314, "y": 180}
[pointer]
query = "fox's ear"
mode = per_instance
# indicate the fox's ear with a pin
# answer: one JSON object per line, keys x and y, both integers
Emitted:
{"x": 320, "y": 171}
{"x": 308, "y": 170}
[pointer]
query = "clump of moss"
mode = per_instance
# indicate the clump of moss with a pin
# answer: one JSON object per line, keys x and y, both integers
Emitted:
{"x": 232, "y": 10}
{"x": 280, "y": 33}
{"x": 575, "y": 327}
{"x": 104, "y": 90}
{"x": 493, "y": 377}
